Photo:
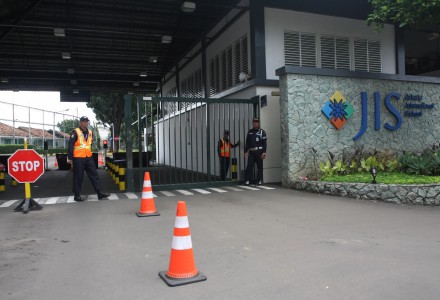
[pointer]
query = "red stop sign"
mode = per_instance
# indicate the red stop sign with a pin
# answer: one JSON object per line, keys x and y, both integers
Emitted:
{"x": 25, "y": 165}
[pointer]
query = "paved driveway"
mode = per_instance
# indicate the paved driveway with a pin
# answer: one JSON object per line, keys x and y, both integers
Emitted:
{"x": 266, "y": 244}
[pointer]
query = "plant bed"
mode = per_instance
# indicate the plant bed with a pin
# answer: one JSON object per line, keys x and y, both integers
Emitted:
{"x": 384, "y": 178}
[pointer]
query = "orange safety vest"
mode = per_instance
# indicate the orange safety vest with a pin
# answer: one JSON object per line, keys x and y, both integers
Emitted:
{"x": 225, "y": 150}
{"x": 82, "y": 148}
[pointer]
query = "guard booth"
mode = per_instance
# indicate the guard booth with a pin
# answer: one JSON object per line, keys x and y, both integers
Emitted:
{"x": 182, "y": 135}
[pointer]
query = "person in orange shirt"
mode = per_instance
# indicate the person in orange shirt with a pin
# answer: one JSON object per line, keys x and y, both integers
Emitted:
{"x": 80, "y": 155}
{"x": 224, "y": 153}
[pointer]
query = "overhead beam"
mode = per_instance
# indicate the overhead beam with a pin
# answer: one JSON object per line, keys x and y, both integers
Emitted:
{"x": 85, "y": 77}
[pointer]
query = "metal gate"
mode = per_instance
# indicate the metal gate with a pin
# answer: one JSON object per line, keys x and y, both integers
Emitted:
{"x": 182, "y": 136}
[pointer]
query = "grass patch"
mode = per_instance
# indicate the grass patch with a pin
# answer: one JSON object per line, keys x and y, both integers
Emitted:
{"x": 386, "y": 178}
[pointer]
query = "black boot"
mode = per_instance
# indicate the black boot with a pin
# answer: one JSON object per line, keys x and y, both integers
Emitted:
{"x": 78, "y": 198}
{"x": 102, "y": 195}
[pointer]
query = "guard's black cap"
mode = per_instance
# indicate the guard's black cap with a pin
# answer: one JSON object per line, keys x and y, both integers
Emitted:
{"x": 256, "y": 120}
{"x": 226, "y": 131}
{"x": 84, "y": 118}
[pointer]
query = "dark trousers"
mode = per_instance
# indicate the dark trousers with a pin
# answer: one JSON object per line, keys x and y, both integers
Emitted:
{"x": 79, "y": 166}
{"x": 224, "y": 167}
{"x": 254, "y": 157}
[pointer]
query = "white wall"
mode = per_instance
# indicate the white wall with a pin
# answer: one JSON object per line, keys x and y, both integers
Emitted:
{"x": 277, "y": 20}
{"x": 270, "y": 122}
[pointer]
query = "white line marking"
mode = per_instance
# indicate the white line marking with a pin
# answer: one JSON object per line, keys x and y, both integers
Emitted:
{"x": 218, "y": 190}
{"x": 266, "y": 187}
{"x": 168, "y": 194}
{"x": 233, "y": 189}
{"x": 52, "y": 200}
{"x": 202, "y": 191}
{"x": 92, "y": 198}
{"x": 70, "y": 199}
{"x": 131, "y": 196}
{"x": 184, "y": 192}
{"x": 40, "y": 200}
{"x": 113, "y": 197}
{"x": 249, "y": 188}
{"x": 8, "y": 203}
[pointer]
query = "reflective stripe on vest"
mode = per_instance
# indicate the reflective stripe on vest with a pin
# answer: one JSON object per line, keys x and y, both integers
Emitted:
{"x": 225, "y": 150}
{"x": 82, "y": 147}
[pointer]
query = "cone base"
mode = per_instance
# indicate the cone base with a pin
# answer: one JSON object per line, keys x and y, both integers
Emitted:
{"x": 147, "y": 215}
{"x": 181, "y": 281}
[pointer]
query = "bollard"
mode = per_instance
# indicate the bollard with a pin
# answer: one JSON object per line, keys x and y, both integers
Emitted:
{"x": 122, "y": 176}
{"x": 14, "y": 182}
{"x": 117, "y": 173}
{"x": 234, "y": 169}
{"x": 2, "y": 182}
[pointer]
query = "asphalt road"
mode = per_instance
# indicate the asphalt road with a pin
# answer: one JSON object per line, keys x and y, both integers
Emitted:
{"x": 270, "y": 244}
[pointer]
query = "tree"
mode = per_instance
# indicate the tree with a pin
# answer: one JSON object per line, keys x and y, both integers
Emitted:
{"x": 68, "y": 125}
{"x": 404, "y": 13}
{"x": 109, "y": 108}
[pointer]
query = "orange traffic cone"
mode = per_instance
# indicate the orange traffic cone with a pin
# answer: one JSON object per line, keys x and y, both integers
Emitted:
{"x": 147, "y": 209}
{"x": 182, "y": 269}
{"x": 100, "y": 159}
{"x": 55, "y": 164}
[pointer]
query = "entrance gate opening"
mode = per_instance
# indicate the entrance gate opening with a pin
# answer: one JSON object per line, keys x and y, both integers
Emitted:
{"x": 180, "y": 139}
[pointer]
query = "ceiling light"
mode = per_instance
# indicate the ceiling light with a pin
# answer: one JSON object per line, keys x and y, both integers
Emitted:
{"x": 433, "y": 36}
{"x": 153, "y": 59}
{"x": 136, "y": 83}
{"x": 59, "y": 32}
{"x": 143, "y": 74}
{"x": 130, "y": 92}
{"x": 73, "y": 81}
{"x": 70, "y": 71}
{"x": 5, "y": 80}
{"x": 66, "y": 55}
{"x": 76, "y": 91}
{"x": 166, "y": 39}
{"x": 188, "y": 7}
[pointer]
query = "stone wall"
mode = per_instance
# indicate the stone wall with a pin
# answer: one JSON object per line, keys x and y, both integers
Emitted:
{"x": 426, "y": 194}
{"x": 307, "y": 136}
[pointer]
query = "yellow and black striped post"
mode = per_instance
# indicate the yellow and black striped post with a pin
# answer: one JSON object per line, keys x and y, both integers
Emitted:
{"x": 121, "y": 176}
{"x": 2, "y": 182}
{"x": 117, "y": 173}
{"x": 234, "y": 169}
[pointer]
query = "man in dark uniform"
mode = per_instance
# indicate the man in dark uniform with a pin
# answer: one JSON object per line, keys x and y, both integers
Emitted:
{"x": 79, "y": 154}
{"x": 224, "y": 153}
{"x": 255, "y": 151}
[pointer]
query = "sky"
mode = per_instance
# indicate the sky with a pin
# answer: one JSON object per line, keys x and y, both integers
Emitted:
{"x": 48, "y": 101}
{"x": 46, "y": 110}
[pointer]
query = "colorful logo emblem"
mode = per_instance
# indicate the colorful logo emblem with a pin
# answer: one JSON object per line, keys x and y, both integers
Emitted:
{"x": 337, "y": 110}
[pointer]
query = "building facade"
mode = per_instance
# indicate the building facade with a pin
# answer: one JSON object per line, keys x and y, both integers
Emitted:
{"x": 295, "y": 57}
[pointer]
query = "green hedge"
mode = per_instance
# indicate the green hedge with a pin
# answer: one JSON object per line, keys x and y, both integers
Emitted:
{"x": 9, "y": 149}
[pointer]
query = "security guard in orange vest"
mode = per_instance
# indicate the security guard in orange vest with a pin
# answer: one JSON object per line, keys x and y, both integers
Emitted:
{"x": 79, "y": 154}
{"x": 224, "y": 153}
